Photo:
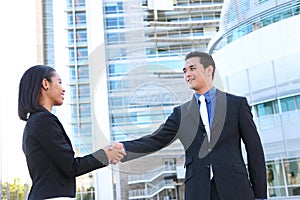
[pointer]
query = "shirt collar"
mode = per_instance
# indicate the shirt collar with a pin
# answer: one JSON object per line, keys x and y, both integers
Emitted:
{"x": 209, "y": 95}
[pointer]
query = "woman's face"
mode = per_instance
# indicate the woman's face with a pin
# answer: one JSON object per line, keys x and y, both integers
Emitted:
{"x": 55, "y": 91}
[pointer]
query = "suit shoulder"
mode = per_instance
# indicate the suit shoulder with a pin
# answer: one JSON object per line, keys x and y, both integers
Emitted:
{"x": 234, "y": 96}
{"x": 187, "y": 104}
{"x": 41, "y": 117}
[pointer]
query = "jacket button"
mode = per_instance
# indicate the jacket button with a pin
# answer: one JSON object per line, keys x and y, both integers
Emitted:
{"x": 209, "y": 149}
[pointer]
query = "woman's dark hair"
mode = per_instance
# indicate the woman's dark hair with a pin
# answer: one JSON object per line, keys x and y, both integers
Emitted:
{"x": 30, "y": 87}
{"x": 205, "y": 59}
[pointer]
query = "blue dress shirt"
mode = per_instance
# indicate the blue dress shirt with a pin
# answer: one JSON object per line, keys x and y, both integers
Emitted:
{"x": 210, "y": 97}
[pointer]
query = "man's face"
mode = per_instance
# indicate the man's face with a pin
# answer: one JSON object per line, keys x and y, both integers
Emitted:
{"x": 195, "y": 75}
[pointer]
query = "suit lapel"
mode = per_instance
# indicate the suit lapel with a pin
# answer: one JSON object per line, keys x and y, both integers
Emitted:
{"x": 219, "y": 117}
{"x": 190, "y": 123}
{"x": 193, "y": 111}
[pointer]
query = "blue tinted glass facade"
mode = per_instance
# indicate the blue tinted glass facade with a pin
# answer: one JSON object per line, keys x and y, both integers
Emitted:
{"x": 81, "y": 119}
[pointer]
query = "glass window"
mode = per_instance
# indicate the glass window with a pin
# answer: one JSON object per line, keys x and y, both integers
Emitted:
{"x": 276, "y": 106}
{"x": 84, "y": 92}
{"x": 79, "y": 3}
{"x": 296, "y": 10}
{"x": 70, "y": 19}
{"x": 245, "y": 6}
{"x": 292, "y": 177}
{"x": 275, "y": 177}
{"x": 111, "y": 68}
{"x": 69, "y": 3}
{"x": 83, "y": 73}
{"x": 73, "y": 93}
{"x": 262, "y": 1}
{"x": 118, "y": 118}
{"x": 120, "y": 7}
{"x": 115, "y": 38}
{"x": 287, "y": 14}
{"x": 71, "y": 37}
{"x": 264, "y": 109}
{"x": 71, "y": 56}
{"x": 113, "y": 85}
{"x": 81, "y": 36}
{"x": 74, "y": 112}
{"x": 80, "y": 19}
{"x": 72, "y": 74}
{"x": 114, "y": 8}
{"x": 298, "y": 101}
{"x": 112, "y": 37}
{"x": 276, "y": 17}
{"x": 267, "y": 21}
{"x": 82, "y": 54}
{"x": 111, "y": 9}
{"x": 288, "y": 104}
{"x": 111, "y": 23}
{"x": 292, "y": 170}
{"x": 85, "y": 110}
{"x": 115, "y": 22}
{"x": 117, "y": 101}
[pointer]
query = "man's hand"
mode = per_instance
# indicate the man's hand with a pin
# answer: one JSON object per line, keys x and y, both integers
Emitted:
{"x": 115, "y": 152}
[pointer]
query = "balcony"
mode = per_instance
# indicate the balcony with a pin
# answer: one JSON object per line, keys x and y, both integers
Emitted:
{"x": 152, "y": 191}
{"x": 151, "y": 176}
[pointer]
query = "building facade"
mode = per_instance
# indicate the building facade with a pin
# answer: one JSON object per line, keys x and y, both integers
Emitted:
{"x": 257, "y": 55}
{"x": 125, "y": 62}
{"x": 145, "y": 45}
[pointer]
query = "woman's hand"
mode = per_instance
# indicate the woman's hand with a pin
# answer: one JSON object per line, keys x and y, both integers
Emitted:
{"x": 115, "y": 152}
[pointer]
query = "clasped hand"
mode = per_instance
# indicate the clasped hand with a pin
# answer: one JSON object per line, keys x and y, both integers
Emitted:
{"x": 115, "y": 152}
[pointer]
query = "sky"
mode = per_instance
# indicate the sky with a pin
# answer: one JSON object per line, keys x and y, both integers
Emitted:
{"x": 18, "y": 53}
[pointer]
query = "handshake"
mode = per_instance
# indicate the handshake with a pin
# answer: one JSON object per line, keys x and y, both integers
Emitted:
{"x": 115, "y": 152}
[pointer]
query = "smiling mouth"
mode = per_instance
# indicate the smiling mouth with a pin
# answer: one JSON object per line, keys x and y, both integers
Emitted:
{"x": 190, "y": 80}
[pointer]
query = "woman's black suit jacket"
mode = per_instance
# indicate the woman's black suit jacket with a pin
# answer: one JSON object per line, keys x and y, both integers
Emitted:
{"x": 50, "y": 158}
{"x": 232, "y": 123}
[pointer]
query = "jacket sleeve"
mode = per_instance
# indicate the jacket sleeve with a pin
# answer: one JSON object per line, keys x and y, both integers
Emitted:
{"x": 255, "y": 153}
{"x": 162, "y": 137}
{"x": 54, "y": 141}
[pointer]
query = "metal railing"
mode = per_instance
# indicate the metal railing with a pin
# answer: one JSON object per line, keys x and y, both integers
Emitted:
{"x": 150, "y": 176}
{"x": 151, "y": 192}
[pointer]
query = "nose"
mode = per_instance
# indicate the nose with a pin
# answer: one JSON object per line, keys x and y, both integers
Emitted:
{"x": 187, "y": 73}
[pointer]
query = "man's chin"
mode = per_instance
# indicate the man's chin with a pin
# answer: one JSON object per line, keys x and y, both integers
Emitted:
{"x": 191, "y": 87}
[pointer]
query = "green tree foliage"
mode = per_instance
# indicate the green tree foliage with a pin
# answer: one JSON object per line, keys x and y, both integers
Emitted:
{"x": 15, "y": 190}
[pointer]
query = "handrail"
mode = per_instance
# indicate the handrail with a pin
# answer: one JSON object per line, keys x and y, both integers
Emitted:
{"x": 150, "y": 192}
{"x": 150, "y": 176}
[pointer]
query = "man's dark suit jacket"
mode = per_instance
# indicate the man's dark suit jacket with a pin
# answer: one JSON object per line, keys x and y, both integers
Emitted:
{"x": 232, "y": 123}
{"x": 50, "y": 158}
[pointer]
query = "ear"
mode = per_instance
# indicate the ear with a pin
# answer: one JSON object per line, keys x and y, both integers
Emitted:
{"x": 45, "y": 84}
{"x": 209, "y": 70}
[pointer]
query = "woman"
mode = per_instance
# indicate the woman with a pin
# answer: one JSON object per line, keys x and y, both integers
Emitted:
{"x": 48, "y": 150}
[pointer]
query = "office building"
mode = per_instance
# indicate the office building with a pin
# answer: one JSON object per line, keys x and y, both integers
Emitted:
{"x": 257, "y": 55}
{"x": 125, "y": 66}
{"x": 145, "y": 45}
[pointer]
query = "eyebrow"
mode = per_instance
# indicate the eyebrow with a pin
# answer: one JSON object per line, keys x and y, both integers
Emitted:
{"x": 184, "y": 68}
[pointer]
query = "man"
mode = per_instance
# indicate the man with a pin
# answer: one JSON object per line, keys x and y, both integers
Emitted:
{"x": 215, "y": 168}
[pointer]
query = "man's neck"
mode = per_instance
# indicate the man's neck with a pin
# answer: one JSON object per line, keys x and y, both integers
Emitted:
{"x": 203, "y": 90}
